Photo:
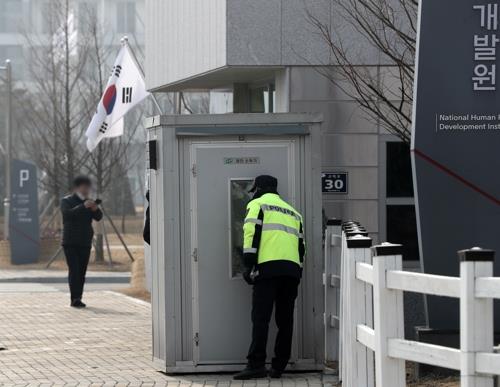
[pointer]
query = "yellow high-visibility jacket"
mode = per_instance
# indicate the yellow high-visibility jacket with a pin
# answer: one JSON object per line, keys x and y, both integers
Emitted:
{"x": 273, "y": 231}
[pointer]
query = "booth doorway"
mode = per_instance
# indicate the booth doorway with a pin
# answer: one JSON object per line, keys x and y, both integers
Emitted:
{"x": 221, "y": 298}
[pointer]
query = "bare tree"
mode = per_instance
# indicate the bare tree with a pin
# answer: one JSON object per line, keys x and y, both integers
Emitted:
{"x": 389, "y": 26}
{"x": 53, "y": 117}
{"x": 68, "y": 77}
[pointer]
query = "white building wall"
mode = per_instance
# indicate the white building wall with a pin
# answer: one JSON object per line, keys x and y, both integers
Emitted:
{"x": 184, "y": 38}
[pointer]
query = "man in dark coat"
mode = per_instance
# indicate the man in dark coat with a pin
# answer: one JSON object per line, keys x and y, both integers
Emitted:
{"x": 78, "y": 211}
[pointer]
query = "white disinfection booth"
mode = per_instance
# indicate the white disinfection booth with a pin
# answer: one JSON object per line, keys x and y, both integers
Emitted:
{"x": 201, "y": 169}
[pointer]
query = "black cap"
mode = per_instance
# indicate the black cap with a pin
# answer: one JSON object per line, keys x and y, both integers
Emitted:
{"x": 264, "y": 182}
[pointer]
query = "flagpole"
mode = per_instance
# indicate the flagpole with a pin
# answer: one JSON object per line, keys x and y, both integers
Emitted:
{"x": 8, "y": 147}
{"x": 124, "y": 42}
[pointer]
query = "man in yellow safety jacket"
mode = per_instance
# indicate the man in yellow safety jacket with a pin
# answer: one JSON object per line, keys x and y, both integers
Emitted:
{"x": 273, "y": 253}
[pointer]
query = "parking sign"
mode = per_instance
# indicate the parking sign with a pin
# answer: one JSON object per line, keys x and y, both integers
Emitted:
{"x": 24, "y": 226}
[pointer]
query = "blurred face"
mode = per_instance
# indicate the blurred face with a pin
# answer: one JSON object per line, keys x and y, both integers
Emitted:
{"x": 84, "y": 190}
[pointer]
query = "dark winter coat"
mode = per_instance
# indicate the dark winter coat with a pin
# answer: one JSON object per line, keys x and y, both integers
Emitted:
{"x": 77, "y": 221}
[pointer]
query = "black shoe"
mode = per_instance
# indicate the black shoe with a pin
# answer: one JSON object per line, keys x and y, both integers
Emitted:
{"x": 251, "y": 373}
{"x": 275, "y": 374}
{"x": 78, "y": 304}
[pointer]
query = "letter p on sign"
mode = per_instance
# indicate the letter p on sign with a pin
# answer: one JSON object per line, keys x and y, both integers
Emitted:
{"x": 24, "y": 175}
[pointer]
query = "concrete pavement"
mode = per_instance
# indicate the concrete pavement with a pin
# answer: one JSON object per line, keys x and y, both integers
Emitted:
{"x": 57, "y": 280}
{"x": 53, "y": 276}
{"x": 47, "y": 343}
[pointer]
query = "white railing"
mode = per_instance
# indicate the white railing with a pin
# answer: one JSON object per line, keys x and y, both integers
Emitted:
{"x": 372, "y": 347}
{"x": 331, "y": 283}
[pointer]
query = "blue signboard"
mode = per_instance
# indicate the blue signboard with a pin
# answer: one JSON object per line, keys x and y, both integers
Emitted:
{"x": 24, "y": 226}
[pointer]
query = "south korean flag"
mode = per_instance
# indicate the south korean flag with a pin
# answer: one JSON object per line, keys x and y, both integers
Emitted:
{"x": 125, "y": 89}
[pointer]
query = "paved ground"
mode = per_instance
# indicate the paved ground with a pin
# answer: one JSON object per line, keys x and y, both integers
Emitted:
{"x": 27, "y": 281}
{"x": 107, "y": 344}
{"x": 61, "y": 276}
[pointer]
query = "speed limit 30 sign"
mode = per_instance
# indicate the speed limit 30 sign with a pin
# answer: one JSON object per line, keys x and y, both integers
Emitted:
{"x": 334, "y": 182}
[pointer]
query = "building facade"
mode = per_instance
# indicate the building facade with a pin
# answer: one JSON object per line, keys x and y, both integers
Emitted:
{"x": 19, "y": 18}
{"x": 267, "y": 55}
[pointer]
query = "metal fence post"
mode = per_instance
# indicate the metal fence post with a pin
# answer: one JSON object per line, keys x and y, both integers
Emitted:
{"x": 476, "y": 315}
{"x": 388, "y": 316}
{"x": 331, "y": 282}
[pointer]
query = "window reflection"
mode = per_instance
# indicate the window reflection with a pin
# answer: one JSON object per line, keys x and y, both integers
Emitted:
{"x": 239, "y": 198}
{"x": 399, "y": 176}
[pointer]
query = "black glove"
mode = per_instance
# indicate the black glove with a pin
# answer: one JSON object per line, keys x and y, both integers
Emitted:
{"x": 247, "y": 276}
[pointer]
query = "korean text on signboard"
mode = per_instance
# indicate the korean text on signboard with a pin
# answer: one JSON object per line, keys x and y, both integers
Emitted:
{"x": 241, "y": 160}
{"x": 485, "y": 48}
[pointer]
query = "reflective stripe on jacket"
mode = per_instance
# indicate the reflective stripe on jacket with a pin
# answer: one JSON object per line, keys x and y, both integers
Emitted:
{"x": 273, "y": 231}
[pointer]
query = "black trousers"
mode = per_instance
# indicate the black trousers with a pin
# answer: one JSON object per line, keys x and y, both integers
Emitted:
{"x": 77, "y": 258}
{"x": 281, "y": 293}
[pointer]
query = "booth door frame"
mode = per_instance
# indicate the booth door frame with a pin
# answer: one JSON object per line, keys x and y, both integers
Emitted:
{"x": 294, "y": 161}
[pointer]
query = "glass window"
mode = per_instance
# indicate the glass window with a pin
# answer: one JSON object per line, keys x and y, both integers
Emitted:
{"x": 402, "y": 228}
{"x": 262, "y": 99}
{"x": 221, "y": 101}
{"x": 257, "y": 100}
{"x": 399, "y": 175}
{"x": 401, "y": 221}
{"x": 239, "y": 198}
{"x": 125, "y": 22}
{"x": 269, "y": 99}
{"x": 11, "y": 15}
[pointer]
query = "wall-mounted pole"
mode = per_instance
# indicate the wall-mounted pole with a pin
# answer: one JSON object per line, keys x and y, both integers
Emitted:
{"x": 8, "y": 146}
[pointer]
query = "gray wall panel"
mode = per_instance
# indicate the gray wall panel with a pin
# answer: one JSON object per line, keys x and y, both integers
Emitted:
{"x": 350, "y": 150}
{"x": 359, "y": 50}
{"x": 306, "y": 84}
{"x": 364, "y": 211}
{"x": 301, "y": 43}
{"x": 338, "y": 117}
{"x": 253, "y": 32}
{"x": 313, "y": 84}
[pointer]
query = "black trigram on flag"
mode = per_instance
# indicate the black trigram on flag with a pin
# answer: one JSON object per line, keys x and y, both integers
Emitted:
{"x": 116, "y": 70}
{"x": 103, "y": 128}
{"x": 127, "y": 95}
